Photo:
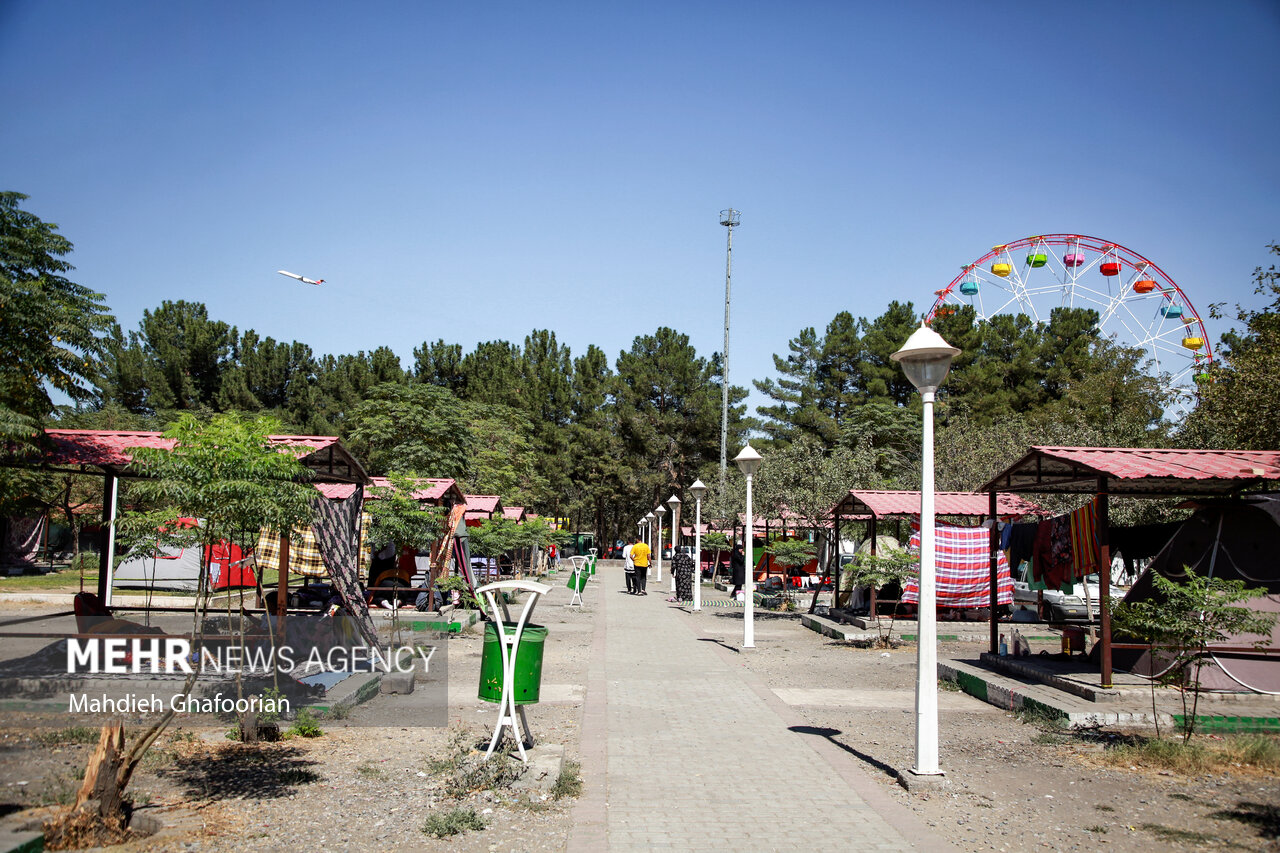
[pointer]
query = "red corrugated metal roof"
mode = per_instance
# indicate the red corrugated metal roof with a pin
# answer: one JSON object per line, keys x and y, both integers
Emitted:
{"x": 515, "y": 513}
{"x": 1138, "y": 470}
{"x": 110, "y": 448}
{"x": 883, "y": 504}
{"x": 483, "y": 503}
{"x": 434, "y": 488}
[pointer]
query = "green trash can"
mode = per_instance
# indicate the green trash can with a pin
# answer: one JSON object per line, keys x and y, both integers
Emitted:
{"x": 591, "y": 563}
{"x": 578, "y": 580}
{"x": 528, "y": 670}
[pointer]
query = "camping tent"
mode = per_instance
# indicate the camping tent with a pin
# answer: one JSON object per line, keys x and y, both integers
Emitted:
{"x": 1234, "y": 539}
{"x": 164, "y": 566}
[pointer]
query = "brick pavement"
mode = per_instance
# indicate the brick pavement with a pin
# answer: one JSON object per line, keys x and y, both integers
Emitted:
{"x": 683, "y": 750}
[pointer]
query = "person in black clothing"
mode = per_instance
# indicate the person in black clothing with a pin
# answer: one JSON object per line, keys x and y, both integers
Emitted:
{"x": 737, "y": 569}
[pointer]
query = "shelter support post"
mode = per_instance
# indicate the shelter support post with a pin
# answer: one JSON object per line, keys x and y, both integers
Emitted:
{"x": 1103, "y": 525}
{"x": 995, "y": 581}
{"x": 874, "y": 552}
{"x": 282, "y": 586}
{"x": 107, "y": 546}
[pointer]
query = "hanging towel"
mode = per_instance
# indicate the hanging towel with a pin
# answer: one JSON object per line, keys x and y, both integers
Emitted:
{"x": 962, "y": 567}
{"x": 1084, "y": 542}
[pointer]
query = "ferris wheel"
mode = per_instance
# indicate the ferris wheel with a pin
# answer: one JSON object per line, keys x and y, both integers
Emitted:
{"x": 1136, "y": 301}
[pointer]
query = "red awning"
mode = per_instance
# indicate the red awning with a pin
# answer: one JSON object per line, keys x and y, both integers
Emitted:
{"x": 1138, "y": 471}
{"x": 888, "y": 504}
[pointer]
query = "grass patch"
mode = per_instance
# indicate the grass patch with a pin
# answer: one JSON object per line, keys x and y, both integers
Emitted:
{"x": 1050, "y": 738}
{"x": 1104, "y": 808}
{"x": 368, "y": 771}
{"x": 1099, "y": 829}
{"x": 453, "y": 822}
{"x": 569, "y": 782}
{"x": 1255, "y": 752}
{"x": 70, "y": 735}
{"x": 948, "y": 686}
{"x": 1040, "y": 716}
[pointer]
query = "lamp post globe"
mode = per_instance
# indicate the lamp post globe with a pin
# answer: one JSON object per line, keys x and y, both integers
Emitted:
{"x": 748, "y": 462}
{"x": 925, "y": 359}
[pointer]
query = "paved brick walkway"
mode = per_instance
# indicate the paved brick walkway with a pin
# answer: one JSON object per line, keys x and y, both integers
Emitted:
{"x": 683, "y": 750}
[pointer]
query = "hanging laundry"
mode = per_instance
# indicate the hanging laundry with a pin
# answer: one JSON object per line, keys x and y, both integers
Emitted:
{"x": 1084, "y": 542}
{"x": 1021, "y": 545}
{"x": 1052, "y": 552}
{"x": 963, "y": 567}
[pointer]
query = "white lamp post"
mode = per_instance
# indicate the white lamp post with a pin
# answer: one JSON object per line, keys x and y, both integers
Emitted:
{"x": 697, "y": 490}
{"x": 925, "y": 359}
{"x": 748, "y": 461}
{"x": 648, "y": 531}
{"x": 674, "y": 503}
{"x": 659, "y": 510}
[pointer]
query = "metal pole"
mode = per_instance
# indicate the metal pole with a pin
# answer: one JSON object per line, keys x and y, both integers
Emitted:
{"x": 658, "y": 551}
{"x": 749, "y": 581}
{"x": 728, "y": 218}
{"x": 675, "y": 543}
{"x": 927, "y": 643}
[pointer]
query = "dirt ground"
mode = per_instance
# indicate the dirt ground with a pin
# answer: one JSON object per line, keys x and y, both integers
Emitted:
{"x": 371, "y": 781}
{"x": 1013, "y": 785}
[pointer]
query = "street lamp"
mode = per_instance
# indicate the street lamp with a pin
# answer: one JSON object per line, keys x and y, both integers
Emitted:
{"x": 674, "y": 503}
{"x": 648, "y": 531}
{"x": 925, "y": 359}
{"x": 660, "y": 510}
{"x": 698, "y": 489}
{"x": 748, "y": 461}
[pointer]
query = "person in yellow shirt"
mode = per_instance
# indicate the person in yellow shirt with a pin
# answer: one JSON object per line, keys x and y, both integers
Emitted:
{"x": 640, "y": 556}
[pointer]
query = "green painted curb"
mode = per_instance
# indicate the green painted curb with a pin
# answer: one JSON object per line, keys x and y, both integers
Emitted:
{"x": 1231, "y": 724}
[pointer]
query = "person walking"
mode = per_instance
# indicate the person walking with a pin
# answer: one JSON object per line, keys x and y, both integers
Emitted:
{"x": 640, "y": 557}
{"x": 737, "y": 569}
{"x": 629, "y": 568}
{"x": 682, "y": 565}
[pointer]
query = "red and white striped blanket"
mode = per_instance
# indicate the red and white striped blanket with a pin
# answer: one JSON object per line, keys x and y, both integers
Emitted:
{"x": 963, "y": 567}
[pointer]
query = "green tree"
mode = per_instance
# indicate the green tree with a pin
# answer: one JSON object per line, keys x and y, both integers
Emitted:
{"x": 52, "y": 330}
{"x": 227, "y": 474}
{"x": 1185, "y": 615}
{"x": 439, "y": 364}
{"x": 418, "y": 428}
{"x": 668, "y": 412}
{"x": 395, "y": 515}
{"x": 894, "y": 566}
{"x": 1238, "y": 406}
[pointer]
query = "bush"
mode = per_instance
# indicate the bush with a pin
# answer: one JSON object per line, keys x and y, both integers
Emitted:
{"x": 305, "y": 724}
{"x": 453, "y": 822}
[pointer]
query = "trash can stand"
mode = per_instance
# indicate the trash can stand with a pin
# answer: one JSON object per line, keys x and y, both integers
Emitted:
{"x": 509, "y": 713}
{"x": 578, "y": 580}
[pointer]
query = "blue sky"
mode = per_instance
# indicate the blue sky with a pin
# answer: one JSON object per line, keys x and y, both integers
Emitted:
{"x": 473, "y": 171}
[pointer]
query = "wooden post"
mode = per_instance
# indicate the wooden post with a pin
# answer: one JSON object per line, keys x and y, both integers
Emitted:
{"x": 874, "y": 551}
{"x": 995, "y": 580}
{"x": 282, "y": 586}
{"x": 1102, "y": 526}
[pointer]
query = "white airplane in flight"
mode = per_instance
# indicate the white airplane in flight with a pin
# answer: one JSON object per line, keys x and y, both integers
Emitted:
{"x": 300, "y": 278}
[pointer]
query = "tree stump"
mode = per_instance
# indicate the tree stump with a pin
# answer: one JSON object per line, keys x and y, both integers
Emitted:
{"x": 101, "y": 777}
